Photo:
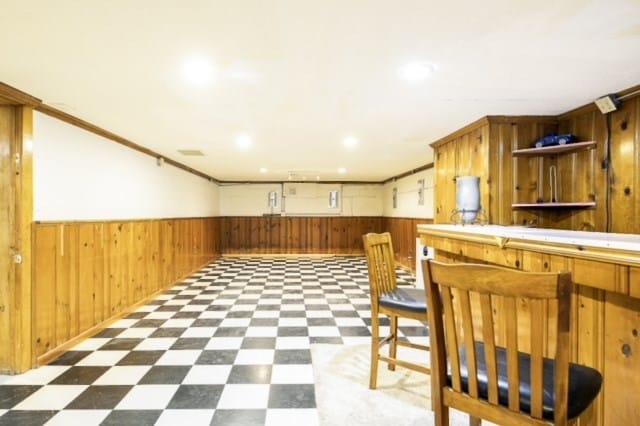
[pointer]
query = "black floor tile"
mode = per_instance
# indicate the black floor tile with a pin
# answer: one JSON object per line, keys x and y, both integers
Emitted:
{"x": 239, "y": 417}
{"x": 196, "y": 397}
{"x": 99, "y": 397}
{"x": 165, "y": 374}
{"x": 11, "y": 395}
{"x": 79, "y": 376}
{"x": 26, "y": 418}
{"x": 217, "y": 357}
{"x": 70, "y": 358}
{"x": 292, "y": 396}
{"x": 141, "y": 358}
{"x": 255, "y": 374}
{"x": 132, "y": 418}
{"x": 292, "y": 356}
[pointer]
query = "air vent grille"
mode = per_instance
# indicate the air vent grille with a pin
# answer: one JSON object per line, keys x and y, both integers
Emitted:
{"x": 191, "y": 152}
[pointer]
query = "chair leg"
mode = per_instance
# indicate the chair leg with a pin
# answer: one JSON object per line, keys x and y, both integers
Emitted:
{"x": 375, "y": 338}
{"x": 393, "y": 346}
{"x": 441, "y": 414}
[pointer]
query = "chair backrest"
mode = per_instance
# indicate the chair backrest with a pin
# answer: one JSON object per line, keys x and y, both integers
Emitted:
{"x": 470, "y": 303}
{"x": 381, "y": 263}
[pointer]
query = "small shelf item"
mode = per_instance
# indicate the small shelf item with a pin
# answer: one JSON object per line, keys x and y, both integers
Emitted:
{"x": 554, "y": 149}
{"x": 579, "y": 205}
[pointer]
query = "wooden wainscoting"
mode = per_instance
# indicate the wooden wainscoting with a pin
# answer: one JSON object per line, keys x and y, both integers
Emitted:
{"x": 86, "y": 273}
{"x": 403, "y": 234}
{"x": 340, "y": 235}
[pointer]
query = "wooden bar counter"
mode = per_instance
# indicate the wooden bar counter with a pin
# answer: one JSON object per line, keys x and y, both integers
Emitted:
{"x": 606, "y": 308}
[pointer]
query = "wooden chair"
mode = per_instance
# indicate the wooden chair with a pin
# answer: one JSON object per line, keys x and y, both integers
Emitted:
{"x": 494, "y": 382}
{"x": 388, "y": 299}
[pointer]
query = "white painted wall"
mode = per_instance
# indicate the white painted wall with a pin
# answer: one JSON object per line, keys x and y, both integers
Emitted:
{"x": 300, "y": 199}
{"x": 408, "y": 196}
{"x": 81, "y": 176}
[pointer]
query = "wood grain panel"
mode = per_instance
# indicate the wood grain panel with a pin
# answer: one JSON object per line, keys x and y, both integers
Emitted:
{"x": 403, "y": 234}
{"x": 90, "y": 272}
{"x": 296, "y": 234}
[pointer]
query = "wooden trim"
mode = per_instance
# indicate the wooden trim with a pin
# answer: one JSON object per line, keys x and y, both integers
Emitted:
{"x": 85, "y": 125}
{"x": 409, "y": 173}
{"x": 591, "y": 106}
{"x": 11, "y": 96}
{"x": 494, "y": 119}
{"x": 75, "y": 222}
{"x": 278, "y": 182}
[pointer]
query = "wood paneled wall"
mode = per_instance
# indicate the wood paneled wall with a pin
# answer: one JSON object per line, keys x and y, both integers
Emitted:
{"x": 340, "y": 235}
{"x": 403, "y": 234}
{"x": 89, "y": 272}
{"x": 585, "y": 176}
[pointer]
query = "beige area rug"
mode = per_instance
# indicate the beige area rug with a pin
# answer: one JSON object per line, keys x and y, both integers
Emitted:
{"x": 343, "y": 397}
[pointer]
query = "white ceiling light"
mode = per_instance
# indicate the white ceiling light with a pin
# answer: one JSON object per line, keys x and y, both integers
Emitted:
{"x": 263, "y": 170}
{"x": 244, "y": 141}
{"x": 350, "y": 142}
{"x": 342, "y": 170}
{"x": 197, "y": 70}
{"x": 415, "y": 71}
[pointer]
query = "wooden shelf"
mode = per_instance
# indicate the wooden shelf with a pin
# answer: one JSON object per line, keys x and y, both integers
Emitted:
{"x": 582, "y": 205}
{"x": 554, "y": 149}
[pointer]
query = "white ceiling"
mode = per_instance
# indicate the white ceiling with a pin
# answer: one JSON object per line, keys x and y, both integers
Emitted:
{"x": 299, "y": 76}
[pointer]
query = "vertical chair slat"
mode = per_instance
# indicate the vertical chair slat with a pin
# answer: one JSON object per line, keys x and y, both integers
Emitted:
{"x": 488, "y": 335}
{"x": 451, "y": 336}
{"x": 469, "y": 343}
{"x": 513, "y": 368}
{"x": 537, "y": 349}
{"x": 563, "y": 349}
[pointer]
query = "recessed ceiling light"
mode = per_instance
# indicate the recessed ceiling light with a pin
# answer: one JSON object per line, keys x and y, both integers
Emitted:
{"x": 244, "y": 141}
{"x": 350, "y": 142}
{"x": 263, "y": 170}
{"x": 342, "y": 170}
{"x": 197, "y": 70}
{"x": 415, "y": 71}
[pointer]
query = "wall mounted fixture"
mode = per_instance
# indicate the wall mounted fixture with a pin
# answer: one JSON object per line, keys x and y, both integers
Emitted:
{"x": 273, "y": 199}
{"x": 394, "y": 198}
{"x": 421, "y": 192}
{"x": 333, "y": 199}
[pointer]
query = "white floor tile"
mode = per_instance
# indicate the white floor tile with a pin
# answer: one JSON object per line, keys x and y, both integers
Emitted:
{"x": 244, "y": 397}
{"x": 254, "y": 357}
{"x": 292, "y": 322}
{"x": 78, "y": 417}
{"x": 207, "y": 375}
{"x": 356, "y": 340}
{"x": 324, "y": 332}
{"x": 291, "y": 374}
{"x": 292, "y": 343}
{"x": 319, "y": 314}
{"x": 350, "y": 322}
{"x": 217, "y": 343}
{"x": 91, "y": 344}
{"x": 147, "y": 308}
{"x": 212, "y": 314}
{"x": 262, "y": 332}
{"x": 292, "y": 307}
{"x": 178, "y": 323}
{"x": 52, "y": 397}
{"x": 235, "y": 322}
{"x": 137, "y": 332}
{"x": 156, "y": 344}
{"x": 39, "y": 376}
{"x": 179, "y": 357}
{"x": 108, "y": 358}
{"x": 160, "y": 315}
{"x": 123, "y": 375}
{"x": 266, "y": 314}
{"x": 199, "y": 332}
{"x": 185, "y": 417}
{"x": 123, "y": 323}
{"x": 177, "y": 302}
{"x": 281, "y": 417}
{"x": 147, "y": 397}
{"x": 193, "y": 308}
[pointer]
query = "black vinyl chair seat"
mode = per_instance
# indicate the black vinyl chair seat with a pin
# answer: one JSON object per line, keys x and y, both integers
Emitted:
{"x": 413, "y": 300}
{"x": 584, "y": 382}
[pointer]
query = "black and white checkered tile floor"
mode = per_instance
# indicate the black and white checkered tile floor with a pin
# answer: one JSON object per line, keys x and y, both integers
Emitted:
{"x": 227, "y": 346}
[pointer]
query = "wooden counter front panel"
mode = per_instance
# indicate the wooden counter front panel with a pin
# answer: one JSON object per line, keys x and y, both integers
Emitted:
{"x": 605, "y": 320}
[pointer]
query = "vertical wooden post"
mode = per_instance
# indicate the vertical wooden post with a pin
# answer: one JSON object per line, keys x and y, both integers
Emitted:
{"x": 16, "y": 218}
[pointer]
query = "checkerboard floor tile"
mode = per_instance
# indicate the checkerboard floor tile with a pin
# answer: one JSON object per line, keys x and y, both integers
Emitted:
{"x": 229, "y": 345}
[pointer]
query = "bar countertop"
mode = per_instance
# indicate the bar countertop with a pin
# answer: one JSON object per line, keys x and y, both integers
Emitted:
{"x": 619, "y": 248}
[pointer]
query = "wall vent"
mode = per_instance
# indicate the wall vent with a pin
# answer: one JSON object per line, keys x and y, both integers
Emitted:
{"x": 191, "y": 152}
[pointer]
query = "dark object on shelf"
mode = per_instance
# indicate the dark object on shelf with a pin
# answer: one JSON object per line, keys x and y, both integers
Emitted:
{"x": 553, "y": 139}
